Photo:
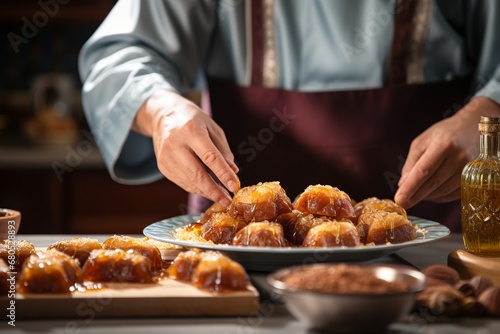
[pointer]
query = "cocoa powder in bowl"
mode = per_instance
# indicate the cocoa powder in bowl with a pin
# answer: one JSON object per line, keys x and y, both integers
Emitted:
{"x": 341, "y": 279}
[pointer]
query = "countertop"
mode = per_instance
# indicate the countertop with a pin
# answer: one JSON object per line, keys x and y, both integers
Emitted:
{"x": 273, "y": 316}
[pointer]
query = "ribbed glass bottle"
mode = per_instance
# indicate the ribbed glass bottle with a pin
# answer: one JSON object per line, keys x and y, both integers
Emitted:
{"x": 480, "y": 189}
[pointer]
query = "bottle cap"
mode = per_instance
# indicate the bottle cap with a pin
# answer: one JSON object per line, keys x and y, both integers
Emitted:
{"x": 489, "y": 124}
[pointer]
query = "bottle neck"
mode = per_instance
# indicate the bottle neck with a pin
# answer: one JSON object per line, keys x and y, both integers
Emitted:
{"x": 489, "y": 144}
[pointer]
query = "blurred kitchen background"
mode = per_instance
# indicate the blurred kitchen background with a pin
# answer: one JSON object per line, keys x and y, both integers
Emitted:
{"x": 50, "y": 169}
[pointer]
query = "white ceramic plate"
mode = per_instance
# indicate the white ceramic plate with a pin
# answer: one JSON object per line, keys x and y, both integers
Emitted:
{"x": 271, "y": 258}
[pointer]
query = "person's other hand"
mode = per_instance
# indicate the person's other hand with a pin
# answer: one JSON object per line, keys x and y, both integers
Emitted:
{"x": 436, "y": 158}
{"x": 187, "y": 142}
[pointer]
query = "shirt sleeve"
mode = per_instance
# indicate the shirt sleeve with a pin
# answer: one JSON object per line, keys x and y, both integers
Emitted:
{"x": 141, "y": 47}
{"x": 482, "y": 32}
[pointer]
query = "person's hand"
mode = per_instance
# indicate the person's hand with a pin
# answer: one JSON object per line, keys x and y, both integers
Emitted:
{"x": 436, "y": 158}
{"x": 188, "y": 144}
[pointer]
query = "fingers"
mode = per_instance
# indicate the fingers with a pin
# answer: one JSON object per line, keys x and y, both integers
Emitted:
{"x": 213, "y": 158}
{"x": 423, "y": 178}
{"x": 441, "y": 186}
{"x": 416, "y": 151}
{"x": 219, "y": 139}
{"x": 187, "y": 143}
{"x": 435, "y": 176}
{"x": 194, "y": 177}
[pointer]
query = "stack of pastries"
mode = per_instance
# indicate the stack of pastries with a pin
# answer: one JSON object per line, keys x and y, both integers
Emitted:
{"x": 262, "y": 215}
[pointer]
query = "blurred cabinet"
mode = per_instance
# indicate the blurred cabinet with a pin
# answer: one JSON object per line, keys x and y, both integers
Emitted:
{"x": 39, "y": 13}
{"x": 99, "y": 205}
{"x": 85, "y": 200}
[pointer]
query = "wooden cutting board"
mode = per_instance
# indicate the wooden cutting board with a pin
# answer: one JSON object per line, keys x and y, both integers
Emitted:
{"x": 166, "y": 298}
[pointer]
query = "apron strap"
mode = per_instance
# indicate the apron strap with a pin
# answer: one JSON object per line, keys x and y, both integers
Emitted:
{"x": 411, "y": 27}
{"x": 264, "y": 65}
{"x": 257, "y": 45}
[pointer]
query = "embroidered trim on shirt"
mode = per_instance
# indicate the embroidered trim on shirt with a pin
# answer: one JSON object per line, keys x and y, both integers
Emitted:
{"x": 257, "y": 13}
{"x": 270, "y": 66}
{"x": 248, "y": 33}
{"x": 420, "y": 23}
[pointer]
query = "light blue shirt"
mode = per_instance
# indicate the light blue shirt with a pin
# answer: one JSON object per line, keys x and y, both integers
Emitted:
{"x": 321, "y": 45}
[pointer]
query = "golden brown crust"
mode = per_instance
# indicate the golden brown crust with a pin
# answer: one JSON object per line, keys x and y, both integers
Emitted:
{"x": 49, "y": 272}
{"x": 183, "y": 266}
{"x": 296, "y": 224}
{"x": 209, "y": 270}
{"x": 325, "y": 200}
{"x": 261, "y": 234}
{"x": 117, "y": 265}
{"x": 217, "y": 272}
{"x": 221, "y": 228}
{"x": 373, "y": 204}
{"x": 214, "y": 208}
{"x": 263, "y": 201}
{"x": 4, "y": 276}
{"x": 77, "y": 248}
{"x": 23, "y": 250}
{"x": 382, "y": 227}
{"x": 148, "y": 250}
{"x": 332, "y": 234}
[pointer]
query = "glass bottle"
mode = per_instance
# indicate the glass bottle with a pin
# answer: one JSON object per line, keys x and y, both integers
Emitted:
{"x": 480, "y": 189}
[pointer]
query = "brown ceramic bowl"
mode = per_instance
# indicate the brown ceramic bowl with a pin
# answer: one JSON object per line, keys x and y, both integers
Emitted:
{"x": 350, "y": 312}
{"x": 9, "y": 223}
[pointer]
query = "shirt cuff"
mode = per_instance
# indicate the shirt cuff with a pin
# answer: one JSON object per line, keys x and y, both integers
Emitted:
{"x": 129, "y": 156}
{"x": 490, "y": 90}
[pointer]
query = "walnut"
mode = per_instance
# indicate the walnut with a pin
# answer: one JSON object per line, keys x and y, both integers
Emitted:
{"x": 479, "y": 284}
{"x": 490, "y": 298}
{"x": 465, "y": 288}
{"x": 471, "y": 307}
{"x": 443, "y": 273}
{"x": 441, "y": 300}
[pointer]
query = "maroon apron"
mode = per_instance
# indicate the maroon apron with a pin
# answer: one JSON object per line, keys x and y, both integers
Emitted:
{"x": 355, "y": 140}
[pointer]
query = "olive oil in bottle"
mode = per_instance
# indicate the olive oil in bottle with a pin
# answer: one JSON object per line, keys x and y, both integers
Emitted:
{"x": 480, "y": 187}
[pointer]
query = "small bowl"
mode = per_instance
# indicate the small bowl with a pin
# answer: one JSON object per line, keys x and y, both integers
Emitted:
{"x": 354, "y": 312}
{"x": 10, "y": 220}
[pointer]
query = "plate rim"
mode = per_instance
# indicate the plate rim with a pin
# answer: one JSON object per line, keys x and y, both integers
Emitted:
{"x": 296, "y": 250}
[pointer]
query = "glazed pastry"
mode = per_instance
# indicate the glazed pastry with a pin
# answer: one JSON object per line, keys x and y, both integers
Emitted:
{"x": 50, "y": 272}
{"x": 77, "y": 248}
{"x": 332, "y": 234}
{"x": 325, "y": 200}
{"x": 261, "y": 234}
{"x": 4, "y": 278}
{"x": 382, "y": 227}
{"x": 373, "y": 204}
{"x": 148, "y": 250}
{"x": 217, "y": 272}
{"x": 183, "y": 266}
{"x": 263, "y": 201}
{"x": 23, "y": 250}
{"x": 117, "y": 265}
{"x": 221, "y": 228}
{"x": 214, "y": 208}
{"x": 296, "y": 224}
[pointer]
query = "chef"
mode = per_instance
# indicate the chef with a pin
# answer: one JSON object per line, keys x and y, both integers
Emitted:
{"x": 376, "y": 97}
